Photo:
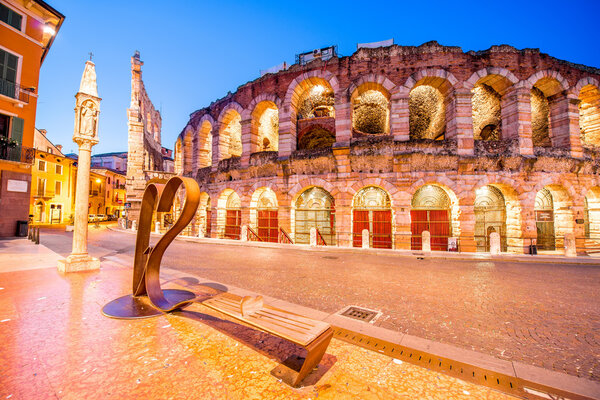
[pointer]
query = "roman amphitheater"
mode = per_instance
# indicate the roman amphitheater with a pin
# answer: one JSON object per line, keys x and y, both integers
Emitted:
{"x": 399, "y": 140}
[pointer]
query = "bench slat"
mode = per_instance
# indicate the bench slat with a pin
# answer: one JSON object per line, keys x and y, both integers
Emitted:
{"x": 284, "y": 324}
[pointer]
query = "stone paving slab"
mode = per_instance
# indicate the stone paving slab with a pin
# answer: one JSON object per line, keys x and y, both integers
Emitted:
{"x": 57, "y": 345}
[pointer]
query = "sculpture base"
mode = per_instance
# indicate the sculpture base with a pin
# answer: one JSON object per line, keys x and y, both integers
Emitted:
{"x": 77, "y": 263}
{"x": 136, "y": 307}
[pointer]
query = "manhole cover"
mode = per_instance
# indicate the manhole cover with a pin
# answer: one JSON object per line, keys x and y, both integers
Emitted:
{"x": 330, "y": 257}
{"x": 361, "y": 314}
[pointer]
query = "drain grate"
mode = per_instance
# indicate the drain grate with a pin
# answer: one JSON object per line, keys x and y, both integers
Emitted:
{"x": 361, "y": 314}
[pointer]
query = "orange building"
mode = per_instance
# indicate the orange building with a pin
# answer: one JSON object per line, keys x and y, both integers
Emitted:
{"x": 27, "y": 30}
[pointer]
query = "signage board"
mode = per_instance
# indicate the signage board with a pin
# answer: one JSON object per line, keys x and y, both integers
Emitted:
{"x": 16, "y": 186}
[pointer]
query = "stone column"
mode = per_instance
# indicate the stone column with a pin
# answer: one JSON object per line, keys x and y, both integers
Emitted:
{"x": 518, "y": 118}
{"x": 463, "y": 118}
{"x": 399, "y": 116}
{"x": 343, "y": 122}
{"x": 249, "y": 142}
{"x": 85, "y": 134}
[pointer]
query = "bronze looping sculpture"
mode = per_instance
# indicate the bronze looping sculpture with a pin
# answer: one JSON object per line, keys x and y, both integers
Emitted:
{"x": 146, "y": 267}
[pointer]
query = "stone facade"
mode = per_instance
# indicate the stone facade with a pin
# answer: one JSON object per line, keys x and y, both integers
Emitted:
{"x": 473, "y": 150}
{"x": 144, "y": 157}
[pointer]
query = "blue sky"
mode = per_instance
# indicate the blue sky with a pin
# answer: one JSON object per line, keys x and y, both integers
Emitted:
{"x": 196, "y": 51}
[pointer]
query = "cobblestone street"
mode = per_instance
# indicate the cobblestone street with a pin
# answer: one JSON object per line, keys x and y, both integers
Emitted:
{"x": 547, "y": 315}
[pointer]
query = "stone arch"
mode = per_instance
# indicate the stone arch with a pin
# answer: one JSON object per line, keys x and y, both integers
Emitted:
{"x": 592, "y": 215}
{"x": 230, "y": 131}
{"x": 490, "y": 102}
{"x": 554, "y": 216}
{"x": 265, "y": 126}
{"x": 429, "y": 94}
{"x": 428, "y": 214}
{"x": 264, "y": 213}
{"x": 372, "y": 210}
{"x": 548, "y": 101}
{"x": 369, "y": 98}
{"x": 490, "y": 214}
{"x": 588, "y": 93}
{"x": 178, "y": 156}
{"x": 204, "y": 141}
{"x": 303, "y": 82}
{"x": 229, "y": 214}
{"x": 273, "y": 98}
{"x": 313, "y": 206}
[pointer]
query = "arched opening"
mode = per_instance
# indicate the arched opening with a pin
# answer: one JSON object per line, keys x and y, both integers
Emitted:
{"x": 316, "y": 137}
{"x": 545, "y": 109}
{"x": 264, "y": 214}
{"x": 430, "y": 211}
{"x": 315, "y": 207}
{"x": 178, "y": 157}
{"x": 265, "y": 126}
{"x": 427, "y": 104}
{"x": 230, "y": 136}
{"x": 589, "y": 115}
{"x": 490, "y": 216}
{"x": 592, "y": 215}
{"x": 370, "y": 109}
{"x": 188, "y": 148}
{"x": 203, "y": 215}
{"x": 544, "y": 220}
{"x": 313, "y": 104}
{"x": 229, "y": 215}
{"x": 205, "y": 145}
{"x": 372, "y": 211}
{"x": 487, "y": 115}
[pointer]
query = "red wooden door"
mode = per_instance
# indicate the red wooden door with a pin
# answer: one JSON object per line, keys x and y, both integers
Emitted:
{"x": 268, "y": 225}
{"x": 233, "y": 221}
{"x": 439, "y": 227}
{"x": 360, "y": 222}
{"x": 382, "y": 229}
{"x": 419, "y": 222}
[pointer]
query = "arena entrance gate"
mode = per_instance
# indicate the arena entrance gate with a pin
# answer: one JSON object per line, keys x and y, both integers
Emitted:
{"x": 372, "y": 211}
{"x": 544, "y": 220}
{"x": 315, "y": 208}
{"x": 430, "y": 212}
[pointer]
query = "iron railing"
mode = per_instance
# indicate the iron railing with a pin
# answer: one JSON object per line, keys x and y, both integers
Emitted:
{"x": 253, "y": 236}
{"x": 14, "y": 90}
{"x": 320, "y": 240}
{"x": 18, "y": 154}
{"x": 284, "y": 237}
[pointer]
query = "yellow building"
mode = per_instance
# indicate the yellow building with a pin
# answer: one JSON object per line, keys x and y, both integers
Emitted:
{"x": 114, "y": 192}
{"x": 52, "y": 188}
{"x": 27, "y": 29}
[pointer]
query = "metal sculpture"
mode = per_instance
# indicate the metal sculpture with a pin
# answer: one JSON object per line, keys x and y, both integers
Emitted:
{"x": 148, "y": 299}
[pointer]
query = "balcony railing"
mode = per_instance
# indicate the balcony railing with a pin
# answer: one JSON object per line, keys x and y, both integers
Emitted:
{"x": 14, "y": 90}
{"x": 19, "y": 154}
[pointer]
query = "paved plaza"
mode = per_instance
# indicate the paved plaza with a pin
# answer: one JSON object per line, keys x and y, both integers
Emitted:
{"x": 57, "y": 345}
{"x": 542, "y": 314}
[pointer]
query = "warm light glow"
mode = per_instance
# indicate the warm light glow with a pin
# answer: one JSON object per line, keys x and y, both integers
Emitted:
{"x": 49, "y": 30}
{"x": 98, "y": 181}
{"x": 317, "y": 90}
{"x": 481, "y": 191}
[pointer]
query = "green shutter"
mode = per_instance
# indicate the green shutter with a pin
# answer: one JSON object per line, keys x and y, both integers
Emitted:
{"x": 16, "y": 132}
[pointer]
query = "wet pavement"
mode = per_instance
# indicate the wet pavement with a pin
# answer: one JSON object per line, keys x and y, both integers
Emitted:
{"x": 542, "y": 314}
{"x": 57, "y": 345}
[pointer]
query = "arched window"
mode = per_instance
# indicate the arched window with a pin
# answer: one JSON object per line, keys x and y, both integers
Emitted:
{"x": 315, "y": 207}
{"x": 487, "y": 116}
{"x": 589, "y": 115}
{"x": 370, "y": 109}
{"x": 430, "y": 212}
{"x": 265, "y": 126}
{"x": 372, "y": 211}
{"x": 230, "y": 137}
{"x": 264, "y": 214}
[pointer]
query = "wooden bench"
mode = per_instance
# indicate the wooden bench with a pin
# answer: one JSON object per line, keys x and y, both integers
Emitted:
{"x": 308, "y": 333}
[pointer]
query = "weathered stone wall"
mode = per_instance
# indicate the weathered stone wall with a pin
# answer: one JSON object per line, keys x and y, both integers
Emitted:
{"x": 512, "y": 159}
{"x": 144, "y": 139}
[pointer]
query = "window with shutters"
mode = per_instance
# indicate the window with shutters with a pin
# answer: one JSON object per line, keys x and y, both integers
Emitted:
{"x": 42, "y": 166}
{"x": 58, "y": 169}
{"x": 8, "y": 74}
{"x": 10, "y": 17}
{"x": 58, "y": 188}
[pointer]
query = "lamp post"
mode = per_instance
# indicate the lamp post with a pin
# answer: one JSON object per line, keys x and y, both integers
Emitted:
{"x": 87, "y": 109}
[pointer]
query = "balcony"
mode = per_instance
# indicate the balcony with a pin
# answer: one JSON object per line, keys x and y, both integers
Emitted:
{"x": 14, "y": 91}
{"x": 44, "y": 194}
{"x": 18, "y": 153}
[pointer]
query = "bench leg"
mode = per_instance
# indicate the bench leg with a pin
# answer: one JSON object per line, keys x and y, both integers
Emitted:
{"x": 315, "y": 352}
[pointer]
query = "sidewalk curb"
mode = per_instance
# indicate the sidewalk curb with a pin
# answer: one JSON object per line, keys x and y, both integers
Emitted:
{"x": 438, "y": 255}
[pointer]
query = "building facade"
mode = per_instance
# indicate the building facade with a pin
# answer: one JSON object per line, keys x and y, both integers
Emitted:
{"x": 115, "y": 195}
{"x": 400, "y": 140}
{"x": 27, "y": 29}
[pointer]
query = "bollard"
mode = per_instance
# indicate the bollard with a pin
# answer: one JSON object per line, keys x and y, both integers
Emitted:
{"x": 157, "y": 227}
{"x": 37, "y": 236}
{"x": 426, "y": 240}
{"x": 570, "y": 249}
{"x": 494, "y": 243}
{"x": 244, "y": 235}
{"x": 29, "y": 232}
{"x": 313, "y": 236}
{"x": 200, "y": 231}
{"x": 134, "y": 225}
{"x": 365, "y": 239}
